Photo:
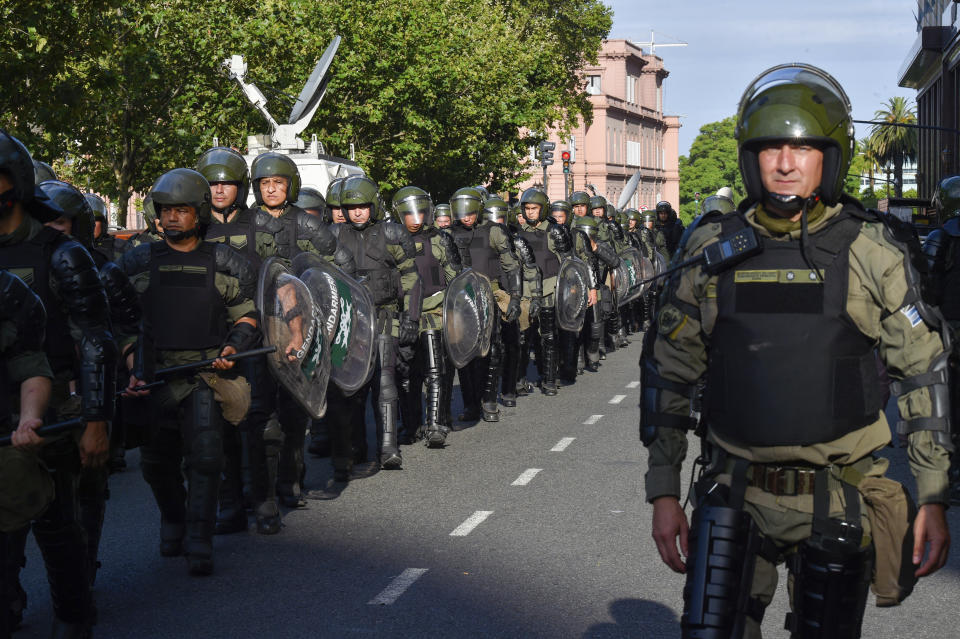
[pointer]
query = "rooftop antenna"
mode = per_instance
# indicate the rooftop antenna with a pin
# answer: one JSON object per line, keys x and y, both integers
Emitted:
{"x": 653, "y": 44}
{"x": 286, "y": 136}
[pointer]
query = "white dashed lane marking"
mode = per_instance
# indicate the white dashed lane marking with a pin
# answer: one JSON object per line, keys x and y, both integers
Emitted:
{"x": 633, "y": 384}
{"x": 526, "y": 476}
{"x": 397, "y": 587}
{"x": 562, "y": 445}
{"x": 593, "y": 419}
{"x": 472, "y": 522}
{"x": 616, "y": 399}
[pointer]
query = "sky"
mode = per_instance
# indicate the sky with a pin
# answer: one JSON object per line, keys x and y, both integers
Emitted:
{"x": 862, "y": 43}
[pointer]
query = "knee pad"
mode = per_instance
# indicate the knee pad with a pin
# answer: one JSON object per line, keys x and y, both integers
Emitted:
{"x": 272, "y": 437}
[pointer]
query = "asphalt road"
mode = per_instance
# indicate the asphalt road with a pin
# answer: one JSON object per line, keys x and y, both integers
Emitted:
{"x": 531, "y": 527}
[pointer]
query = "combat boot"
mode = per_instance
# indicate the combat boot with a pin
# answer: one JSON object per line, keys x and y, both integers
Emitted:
{"x": 390, "y": 458}
{"x": 436, "y": 429}
{"x": 201, "y": 513}
{"x": 231, "y": 518}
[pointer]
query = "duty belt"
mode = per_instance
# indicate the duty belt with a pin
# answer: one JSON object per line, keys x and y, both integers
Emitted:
{"x": 781, "y": 480}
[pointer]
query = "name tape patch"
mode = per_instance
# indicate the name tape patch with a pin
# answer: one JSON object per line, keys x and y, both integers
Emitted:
{"x": 911, "y": 313}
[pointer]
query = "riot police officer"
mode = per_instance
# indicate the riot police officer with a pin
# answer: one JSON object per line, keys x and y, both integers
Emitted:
{"x": 217, "y": 283}
{"x": 65, "y": 278}
{"x": 487, "y": 249}
{"x": 438, "y": 262}
{"x": 26, "y": 489}
{"x": 600, "y": 257}
{"x": 386, "y": 264}
{"x": 670, "y": 225}
{"x": 313, "y": 202}
{"x": 787, "y": 455}
{"x": 942, "y": 249}
{"x": 441, "y": 216}
{"x": 111, "y": 246}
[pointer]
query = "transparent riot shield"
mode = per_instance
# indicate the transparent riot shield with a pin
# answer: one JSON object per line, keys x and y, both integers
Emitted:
{"x": 572, "y": 294}
{"x": 323, "y": 287}
{"x": 633, "y": 270}
{"x": 352, "y": 326}
{"x": 467, "y": 317}
{"x": 292, "y": 322}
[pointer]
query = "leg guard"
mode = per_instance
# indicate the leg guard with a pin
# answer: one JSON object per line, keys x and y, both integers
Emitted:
{"x": 548, "y": 338}
{"x": 567, "y": 366}
{"x": 387, "y": 405}
{"x": 319, "y": 438}
{"x": 204, "y": 463}
{"x": 522, "y": 386}
{"x": 829, "y": 590}
{"x": 63, "y": 544}
{"x": 723, "y": 546}
{"x": 160, "y": 463}
{"x": 231, "y": 517}
{"x": 468, "y": 392}
{"x": 13, "y": 598}
{"x": 491, "y": 382}
{"x": 514, "y": 358}
{"x": 291, "y": 468}
{"x": 435, "y": 368}
{"x": 593, "y": 339}
{"x": 92, "y": 496}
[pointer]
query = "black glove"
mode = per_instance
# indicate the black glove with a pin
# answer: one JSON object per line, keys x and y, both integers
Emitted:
{"x": 535, "y": 307}
{"x": 409, "y": 330}
{"x": 513, "y": 308}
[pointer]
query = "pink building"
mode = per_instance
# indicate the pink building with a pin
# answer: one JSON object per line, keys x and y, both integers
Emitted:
{"x": 629, "y": 132}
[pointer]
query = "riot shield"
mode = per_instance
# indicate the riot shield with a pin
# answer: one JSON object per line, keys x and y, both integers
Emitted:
{"x": 633, "y": 270}
{"x": 291, "y": 321}
{"x": 322, "y": 287}
{"x": 660, "y": 262}
{"x": 467, "y": 317}
{"x": 351, "y": 322}
{"x": 572, "y": 294}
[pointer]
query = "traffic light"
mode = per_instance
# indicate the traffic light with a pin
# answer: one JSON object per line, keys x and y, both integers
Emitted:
{"x": 565, "y": 156}
{"x": 546, "y": 153}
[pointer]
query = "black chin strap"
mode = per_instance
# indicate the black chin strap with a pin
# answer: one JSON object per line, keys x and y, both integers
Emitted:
{"x": 181, "y": 236}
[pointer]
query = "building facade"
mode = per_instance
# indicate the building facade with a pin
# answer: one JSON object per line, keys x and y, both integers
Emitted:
{"x": 629, "y": 133}
{"x": 932, "y": 67}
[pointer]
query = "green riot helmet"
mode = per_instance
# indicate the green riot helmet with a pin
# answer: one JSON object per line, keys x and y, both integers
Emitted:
{"x": 333, "y": 193}
{"x": 588, "y": 225}
{"x": 98, "y": 206}
{"x": 611, "y": 212}
{"x": 946, "y": 198}
{"x": 149, "y": 214}
{"x": 632, "y": 215}
{"x": 441, "y": 216}
{"x": 182, "y": 186}
{"x": 75, "y": 208}
{"x": 414, "y": 202}
{"x": 795, "y": 104}
{"x": 359, "y": 190}
{"x": 275, "y": 164}
{"x": 597, "y": 202}
{"x": 534, "y": 196}
{"x": 717, "y": 203}
{"x": 649, "y": 217}
{"x": 562, "y": 206}
{"x": 580, "y": 197}
{"x": 465, "y": 202}
{"x": 223, "y": 164}
{"x": 484, "y": 193}
{"x": 496, "y": 210}
{"x": 43, "y": 172}
{"x": 313, "y": 202}
{"x": 16, "y": 162}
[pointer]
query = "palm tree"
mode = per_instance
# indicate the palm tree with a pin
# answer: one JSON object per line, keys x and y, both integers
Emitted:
{"x": 894, "y": 143}
{"x": 868, "y": 150}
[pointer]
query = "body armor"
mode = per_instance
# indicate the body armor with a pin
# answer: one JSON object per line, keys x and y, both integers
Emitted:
{"x": 475, "y": 250}
{"x": 241, "y": 232}
{"x": 775, "y": 300}
{"x": 181, "y": 281}
{"x": 375, "y": 268}
{"x": 547, "y": 261}
{"x": 429, "y": 267}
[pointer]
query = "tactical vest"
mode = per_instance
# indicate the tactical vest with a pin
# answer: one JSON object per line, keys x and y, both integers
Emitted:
{"x": 483, "y": 258}
{"x": 31, "y": 261}
{"x": 182, "y": 304}
{"x": 374, "y": 268}
{"x": 240, "y": 233}
{"x": 787, "y": 364}
{"x": 432, "y": 279}
{"x": 546, "y": 260}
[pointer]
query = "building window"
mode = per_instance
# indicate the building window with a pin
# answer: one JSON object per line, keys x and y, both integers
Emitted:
{"x": 593, "y": 84}
{"x": 633, "y": 153}
{"x": 631, "y": 89}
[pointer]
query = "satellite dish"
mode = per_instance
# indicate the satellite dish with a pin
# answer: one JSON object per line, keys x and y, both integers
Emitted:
{"x": 313, "y": 91}
{"x": 629, "y": 190}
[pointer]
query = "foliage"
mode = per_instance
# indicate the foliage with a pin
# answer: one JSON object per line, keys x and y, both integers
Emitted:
{"x": 432, "y": 92}
{"x": 712, "y": 164}
{"x": 894, "y": 143}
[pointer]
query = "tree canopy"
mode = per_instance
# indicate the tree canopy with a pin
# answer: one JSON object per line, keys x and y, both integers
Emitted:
{"x": 432, "y": 92}
{"x": 712, "y": 164}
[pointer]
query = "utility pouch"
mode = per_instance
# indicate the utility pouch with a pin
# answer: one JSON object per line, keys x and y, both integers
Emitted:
{"x": 891, "y": 512}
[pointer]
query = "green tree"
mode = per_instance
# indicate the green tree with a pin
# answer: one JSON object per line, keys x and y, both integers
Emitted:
{"x": 712, "y": 164}
{"x": 895, "y": 143}
{"x": 432, "y": 92}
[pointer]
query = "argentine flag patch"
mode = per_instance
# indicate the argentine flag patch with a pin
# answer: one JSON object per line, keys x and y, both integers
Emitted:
{"x": 912, "y": 314}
